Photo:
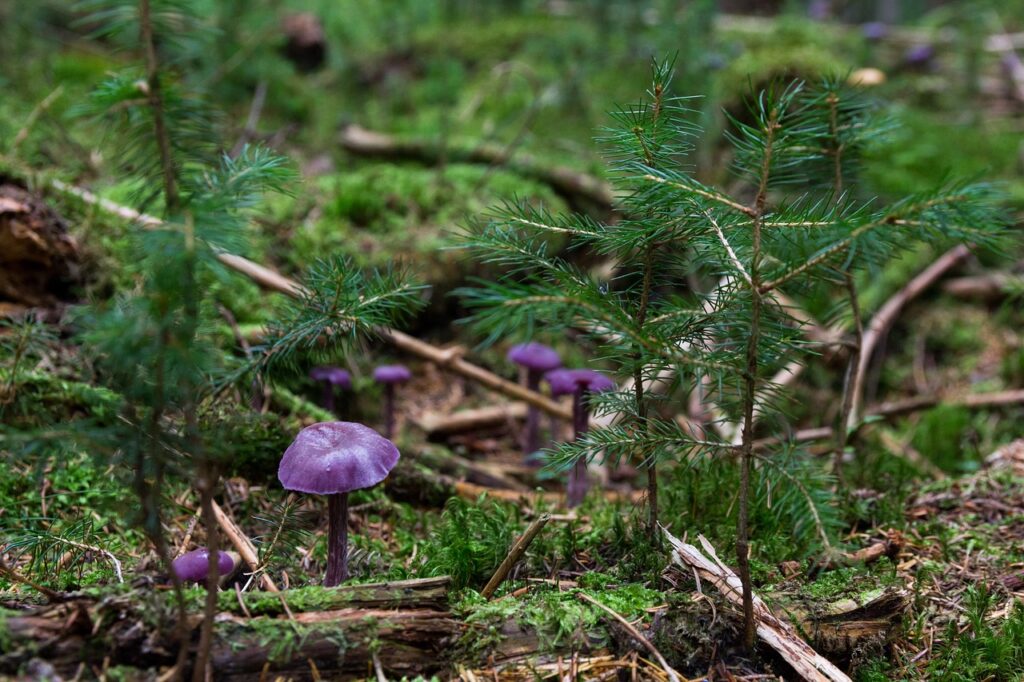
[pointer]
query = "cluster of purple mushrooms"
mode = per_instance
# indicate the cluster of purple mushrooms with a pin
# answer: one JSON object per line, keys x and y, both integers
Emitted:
{"x": 336, "y": 458}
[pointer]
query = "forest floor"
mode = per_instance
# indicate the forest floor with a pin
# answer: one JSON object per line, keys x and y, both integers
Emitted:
{"x": 920, "y": 574}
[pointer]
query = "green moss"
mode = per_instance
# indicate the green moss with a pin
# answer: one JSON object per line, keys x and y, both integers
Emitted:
{"x": 941, "y": 436}
{"x": 558, "y": 617}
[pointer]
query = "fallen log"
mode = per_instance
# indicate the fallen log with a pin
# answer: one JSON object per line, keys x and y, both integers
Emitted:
{"x": 337, "y": 631}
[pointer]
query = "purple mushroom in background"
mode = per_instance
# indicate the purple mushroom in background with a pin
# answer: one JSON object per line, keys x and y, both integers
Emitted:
{"x": 579, "y": 383}
{"x": 193, "y": 567}
{"x": 874, "y": 30}
{"x": 537, "y": 359}
{"x": 334, "y": 458}
{"x": 390, "y": 376}
{"x": 331, "y": 378}
{"x": 919, "y": 56}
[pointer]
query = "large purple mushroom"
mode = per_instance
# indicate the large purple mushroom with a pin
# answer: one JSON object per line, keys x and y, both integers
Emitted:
{"x": 579, "y": 383}
{"x": 537, "y": 359}
{"x": 333, "y": 459}
{"x": 193, "y": 567}
{"x": 332, "y": 378}
{"x": 390, "y": 376}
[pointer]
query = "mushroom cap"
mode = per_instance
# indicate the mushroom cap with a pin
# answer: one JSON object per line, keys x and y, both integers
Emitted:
{"x": 391, "y": 374}
{"x": 193, "y": 566}
{"x": 874, "y": 30}
{"x": 336, "y": 457}
{"x": 333, "y": 375}
{"x": 568, "y": 381}
{"x": 535, "y": 355}
{"x": 919, "y": 55}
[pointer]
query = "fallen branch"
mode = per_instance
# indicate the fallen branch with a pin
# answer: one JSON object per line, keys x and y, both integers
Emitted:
{"x": 884, "y": 318}
{"x": 990, "y": 286}
{"x": 515, "y": 554}
{"x": 434, "y": 423}
{"x": 584, "y": 192}
{"x": 778, "y": 634}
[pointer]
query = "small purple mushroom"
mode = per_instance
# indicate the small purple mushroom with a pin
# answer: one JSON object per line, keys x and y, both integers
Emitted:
{"x": 332, "y": 378}
{"x": 874, "y": 31}
{"x": 334, "y": 458}
{"x": 389, "y": 376}
{"x": 193, "y": 567}
{"x": 579, "y": 383}
{"x": 919, "y": 56}
{"x": 537, "y": 359}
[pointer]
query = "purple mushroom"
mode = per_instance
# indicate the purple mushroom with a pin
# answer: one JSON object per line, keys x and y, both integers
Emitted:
{"x": 537, "y": 359}
{"x": 579, "y": 383}
{"x": 389, "y": 376}
{"x": 874, "y": 31}
{"x": 919, "y": 56}
{"x": 193, "y": 567}
{"x": 332, "y": 378}
{"x": 334, "y": 458}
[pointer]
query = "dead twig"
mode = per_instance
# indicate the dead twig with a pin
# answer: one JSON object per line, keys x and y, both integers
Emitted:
{"x": 515, "y": 554}
{"x": 646, "y": 643}
{"x": 243, "y": 545}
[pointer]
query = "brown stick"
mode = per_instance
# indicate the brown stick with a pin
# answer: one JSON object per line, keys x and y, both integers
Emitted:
{"x": 672, "y": 674}
{"x": 268, "y": 279}
{"x": 243, "y": 545}
{"x": 515, "y": 554}
{"x": 889, "y": 312}
{"x": 989, "y": 286}
{"x": 470, "y": 420}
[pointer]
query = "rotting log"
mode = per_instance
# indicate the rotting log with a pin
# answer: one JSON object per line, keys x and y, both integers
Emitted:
{"x": 405, "y": 622}
{"x": 846, "y": 625}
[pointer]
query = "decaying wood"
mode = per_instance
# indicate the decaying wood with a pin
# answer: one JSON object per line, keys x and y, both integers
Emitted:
{"x": 850, "y": 623}
{"x": 268, "y": 279}
{"x": 435, "y": 423}
{"x": 39, "y": 260}
{"x": 585, "y": 193}
{"x": 775, "y": 632}
{"x": 402, "y": 622}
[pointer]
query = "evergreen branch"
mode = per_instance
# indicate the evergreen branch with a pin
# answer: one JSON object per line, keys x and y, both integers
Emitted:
{"x": 701, "y": 192}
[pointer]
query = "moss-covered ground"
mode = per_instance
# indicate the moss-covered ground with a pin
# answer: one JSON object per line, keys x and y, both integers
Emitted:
{"x": 534, "y": 81}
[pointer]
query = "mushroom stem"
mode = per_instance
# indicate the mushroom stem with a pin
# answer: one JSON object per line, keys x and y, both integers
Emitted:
{"x": 389, "y": 411}
{"x": 531, "y": 436}
{"x": 576, "y": 487}
{"x": 328, "y": 397}
{"x": 337, "y": 539}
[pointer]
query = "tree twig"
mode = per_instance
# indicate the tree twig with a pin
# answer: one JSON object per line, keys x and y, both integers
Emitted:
{"x": 646, "y": 643}
{"x": 515, "y": 554}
